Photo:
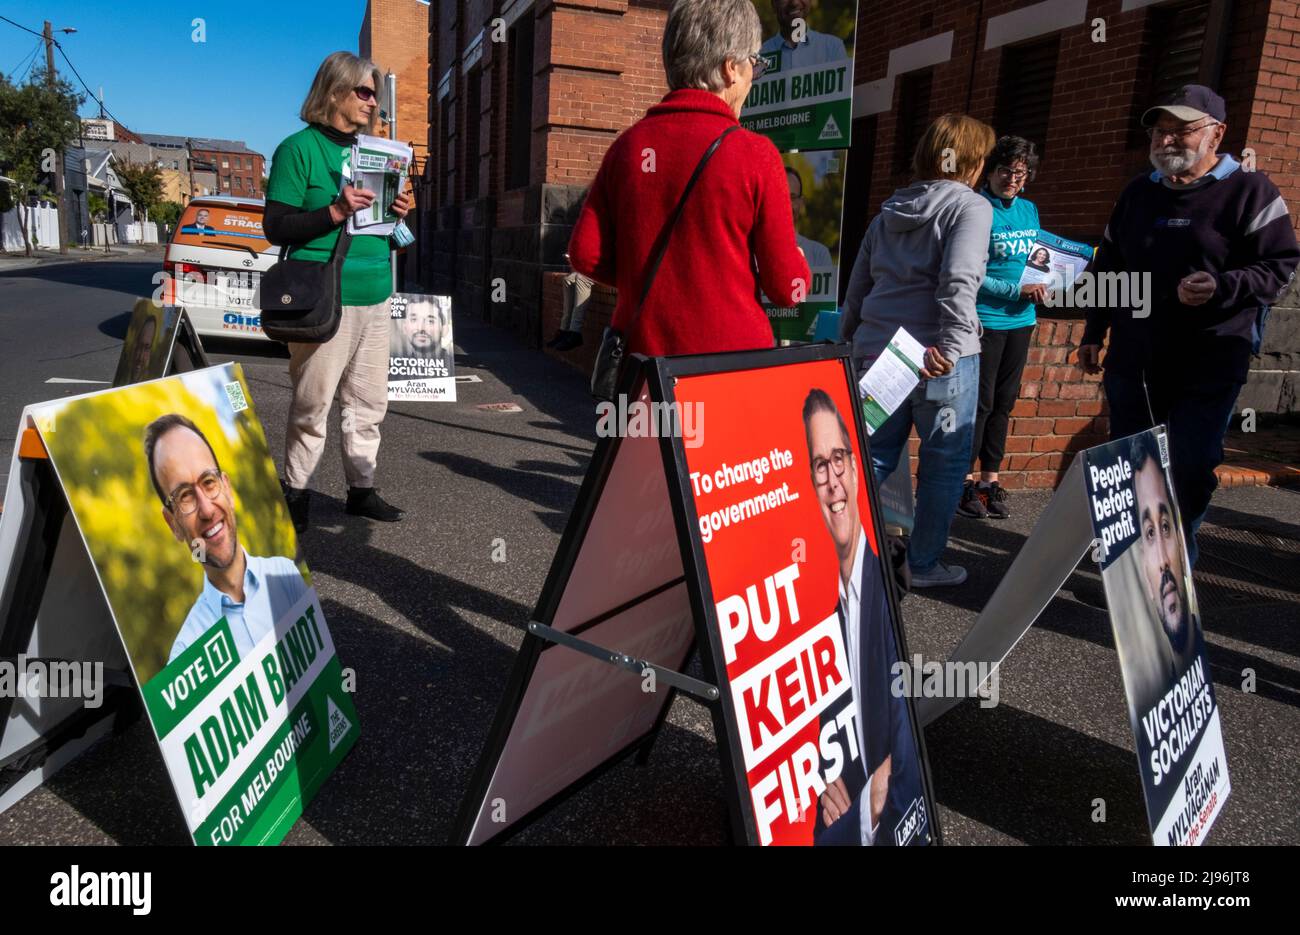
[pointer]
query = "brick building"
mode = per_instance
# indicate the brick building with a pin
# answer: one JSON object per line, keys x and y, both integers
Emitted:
{"x": 526, "y": 95}
{"x": 1075, "y": 77}
{"x": 395, "y": 36}
{"x": 238, "y": 169}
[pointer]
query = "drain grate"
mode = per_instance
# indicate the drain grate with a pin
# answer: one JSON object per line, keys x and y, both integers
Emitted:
{"x": 1243, "y": 567}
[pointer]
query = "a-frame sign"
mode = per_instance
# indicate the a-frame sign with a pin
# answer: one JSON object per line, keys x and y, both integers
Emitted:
{"x": 46, "y": 575}
{"x": 729, "y": 509}
{"x": 160, "y": 340}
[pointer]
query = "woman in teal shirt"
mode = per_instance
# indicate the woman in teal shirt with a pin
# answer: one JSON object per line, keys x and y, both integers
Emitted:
{"x": 1006, "y": 312}
{"x": 309, "y": 197}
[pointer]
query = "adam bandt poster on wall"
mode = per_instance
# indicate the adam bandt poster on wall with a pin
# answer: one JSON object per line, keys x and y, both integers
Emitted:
{"x": 1158, "y": 636}
{"x": 816, "y": 182}
{"x": 421, "y": 356}
{"x": 804, "y": 99}
{"x": 175, "y": 494}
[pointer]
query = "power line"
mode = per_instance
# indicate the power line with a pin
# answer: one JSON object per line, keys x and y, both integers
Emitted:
{"x": 14, "y": 70}
{"x": 26, "y": 71}
{"x": 86, "y": 86}
{"x": 22, "y": 27}
{"x": 66, "y": 59}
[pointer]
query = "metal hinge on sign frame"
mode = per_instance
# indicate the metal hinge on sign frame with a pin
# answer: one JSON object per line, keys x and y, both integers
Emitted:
{"x": 692, "y": 686}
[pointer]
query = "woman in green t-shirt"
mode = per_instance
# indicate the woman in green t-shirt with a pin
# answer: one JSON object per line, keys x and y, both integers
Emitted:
{"x": 308, "y": 199}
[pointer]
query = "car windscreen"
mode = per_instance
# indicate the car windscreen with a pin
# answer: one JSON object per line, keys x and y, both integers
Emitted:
{"x": 230, "y": 228}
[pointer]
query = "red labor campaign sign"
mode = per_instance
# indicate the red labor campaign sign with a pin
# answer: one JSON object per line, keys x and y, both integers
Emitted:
{"x": 804, "y": 623}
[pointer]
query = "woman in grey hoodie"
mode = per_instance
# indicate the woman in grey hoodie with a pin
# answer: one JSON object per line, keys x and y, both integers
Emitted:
{"x": 920, "y": 268}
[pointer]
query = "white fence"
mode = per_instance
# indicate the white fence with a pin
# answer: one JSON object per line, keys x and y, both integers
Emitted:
{"x": 42, "y": 227}
{"x": 104, "y": 232}
{"x": 137, "y": 232}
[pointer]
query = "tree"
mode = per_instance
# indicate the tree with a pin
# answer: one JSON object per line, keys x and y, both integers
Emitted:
{"x": 97, "y": 205}
{"x": 167, "y": 212}
{"x": 37, "y": 122}
{"x": 143, "y": 182}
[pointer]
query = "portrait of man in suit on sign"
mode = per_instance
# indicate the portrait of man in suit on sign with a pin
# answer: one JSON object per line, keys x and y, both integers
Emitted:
{"x": 879, "y": 782}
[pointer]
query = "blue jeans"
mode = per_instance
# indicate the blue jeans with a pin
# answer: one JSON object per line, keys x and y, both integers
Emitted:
{"x": 943, "y": 411}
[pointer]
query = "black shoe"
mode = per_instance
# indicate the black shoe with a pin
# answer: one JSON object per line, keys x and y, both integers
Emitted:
{"x": 299, "y": 502}
{"x": 971, "y": 503}
{"x": 567, "y": 340}
{"x": 996, "y": 503}
{"x": 365, "y": 501}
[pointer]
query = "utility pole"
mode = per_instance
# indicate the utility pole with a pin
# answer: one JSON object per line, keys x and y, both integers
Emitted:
{"x": 390, "y": 94}
{"x": 58, "y": 156}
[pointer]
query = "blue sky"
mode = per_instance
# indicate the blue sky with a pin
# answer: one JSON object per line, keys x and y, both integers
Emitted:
{"x": 245, "y": 82}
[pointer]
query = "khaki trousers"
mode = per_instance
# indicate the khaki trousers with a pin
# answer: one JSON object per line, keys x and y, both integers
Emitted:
{"x": 353, "y": 363}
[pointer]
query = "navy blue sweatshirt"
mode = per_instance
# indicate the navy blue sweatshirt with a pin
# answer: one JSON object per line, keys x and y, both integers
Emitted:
{"x": 1232, "y": 224}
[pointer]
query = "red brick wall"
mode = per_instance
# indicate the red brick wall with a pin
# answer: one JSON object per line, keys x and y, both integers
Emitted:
{"x": 227, "y": 174}
{"x": 1274, "y": 114}
{"x": 1091, "y": 150}
{"x": 1060, "y": 412}
{"x": 394, "y": 35}
{"x": 599, "y": 70}
{"x": 605, "y": 72}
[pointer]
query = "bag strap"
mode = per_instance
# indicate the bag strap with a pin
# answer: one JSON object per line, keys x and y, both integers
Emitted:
{"x": 341, "y": 245}
{"x": 345, "y": 235}
{"x": 340, "y": 248}
{"x": 661, "y": 243}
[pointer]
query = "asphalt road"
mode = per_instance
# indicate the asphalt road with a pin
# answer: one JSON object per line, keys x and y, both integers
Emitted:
{"x": 431, "y": 623}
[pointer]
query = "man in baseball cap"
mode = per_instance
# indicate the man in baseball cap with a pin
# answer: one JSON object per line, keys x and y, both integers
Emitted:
{"x": 1190, "y": 104}
{"x": 1209, "y": 245}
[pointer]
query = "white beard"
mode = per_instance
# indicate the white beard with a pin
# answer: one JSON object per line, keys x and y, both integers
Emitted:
{"x": 1181, "y": 160}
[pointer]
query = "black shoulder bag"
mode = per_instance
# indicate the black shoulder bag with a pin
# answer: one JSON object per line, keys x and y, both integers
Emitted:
{"x": 301, "y": 299}
{"x": 613, "y": 345}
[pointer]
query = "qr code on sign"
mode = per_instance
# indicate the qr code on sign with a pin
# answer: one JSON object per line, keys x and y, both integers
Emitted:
{"x": 1163, "y": 441}
{"x": 235, "y": 393}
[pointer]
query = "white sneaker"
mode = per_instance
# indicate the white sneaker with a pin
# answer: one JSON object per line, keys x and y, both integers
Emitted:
{"x": 939, "y": 576}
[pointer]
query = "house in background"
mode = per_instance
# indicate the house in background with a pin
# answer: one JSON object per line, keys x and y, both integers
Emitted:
{"x": 238, "y": 170}
{"x": 102, "y": 180}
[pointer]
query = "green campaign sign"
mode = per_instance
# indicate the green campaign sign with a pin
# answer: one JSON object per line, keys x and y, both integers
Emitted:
{"x": 804, "y": 98}
{"x": 808, "y": 109}
{"x": 816, "y": 183}
{"x": 175, "y": 495}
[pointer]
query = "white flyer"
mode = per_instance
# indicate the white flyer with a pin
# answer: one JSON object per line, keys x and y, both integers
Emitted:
{"x": 893, "y": 375}
{"x": 380, "y": 165}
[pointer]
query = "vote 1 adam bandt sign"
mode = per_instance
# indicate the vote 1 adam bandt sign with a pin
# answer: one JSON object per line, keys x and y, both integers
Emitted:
{"x": 178, "y": 503}
{"x": 749, "y": 521}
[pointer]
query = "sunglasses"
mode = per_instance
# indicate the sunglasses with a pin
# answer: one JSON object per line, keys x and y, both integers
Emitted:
{"x": 366, "y": 94}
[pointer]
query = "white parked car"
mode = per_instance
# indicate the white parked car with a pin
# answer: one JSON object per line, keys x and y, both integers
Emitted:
{"x": 213, "y": 262}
